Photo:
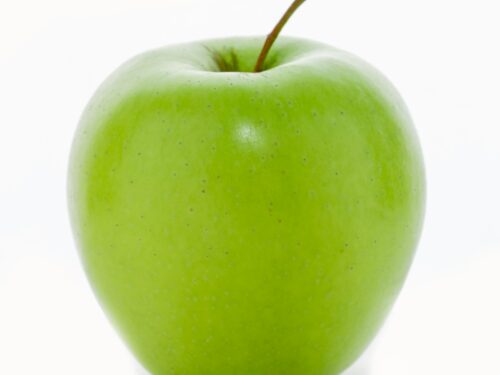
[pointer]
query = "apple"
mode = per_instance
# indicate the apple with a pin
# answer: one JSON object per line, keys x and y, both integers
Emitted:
{"x": 236, "y": 219}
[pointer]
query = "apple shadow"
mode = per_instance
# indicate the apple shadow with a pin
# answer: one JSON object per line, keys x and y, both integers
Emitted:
{"x": 356, "y": 370}
{"x": 360, "y": 367}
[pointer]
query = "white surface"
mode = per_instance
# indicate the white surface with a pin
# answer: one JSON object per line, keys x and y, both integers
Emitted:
{"x": 442, "y": 55}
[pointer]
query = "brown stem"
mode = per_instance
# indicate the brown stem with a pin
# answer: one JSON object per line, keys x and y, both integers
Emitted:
{"x": 271, "y": 38}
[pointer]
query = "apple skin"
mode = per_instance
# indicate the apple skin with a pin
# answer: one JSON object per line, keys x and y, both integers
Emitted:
{"x": 246, "y": 223}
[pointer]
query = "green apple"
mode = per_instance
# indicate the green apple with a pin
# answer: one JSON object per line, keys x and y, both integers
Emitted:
{"x": 233, "y": 222}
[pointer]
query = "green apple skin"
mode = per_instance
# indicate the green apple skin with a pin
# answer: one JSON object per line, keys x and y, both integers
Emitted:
{"x": 246, "y": 223}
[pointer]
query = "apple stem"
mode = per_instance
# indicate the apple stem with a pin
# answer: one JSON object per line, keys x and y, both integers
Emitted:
{"x": 271, "y": 38}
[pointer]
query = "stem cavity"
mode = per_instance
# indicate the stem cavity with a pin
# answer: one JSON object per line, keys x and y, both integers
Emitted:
{"x": 271, "y": 38}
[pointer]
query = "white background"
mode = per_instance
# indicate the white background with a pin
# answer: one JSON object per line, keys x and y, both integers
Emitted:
{"x": 444, "y": 56}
